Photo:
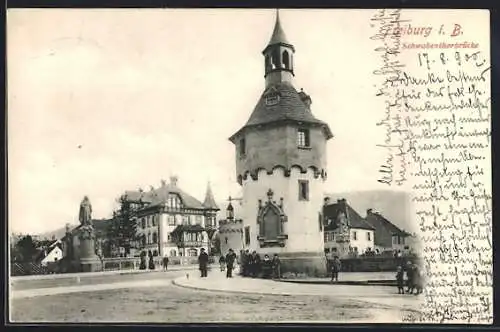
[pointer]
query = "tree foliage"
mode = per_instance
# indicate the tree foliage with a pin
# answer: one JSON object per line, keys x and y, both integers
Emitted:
{"x": 122, "y": 230}
{"x": 24, "y": 250}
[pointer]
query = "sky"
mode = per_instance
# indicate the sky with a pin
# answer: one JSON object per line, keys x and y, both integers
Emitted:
{"x": 103, "y": 101}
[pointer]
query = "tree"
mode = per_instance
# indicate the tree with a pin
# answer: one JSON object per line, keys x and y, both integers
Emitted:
{"x": 122, "y": 231}
{"x": 25, "y": 249}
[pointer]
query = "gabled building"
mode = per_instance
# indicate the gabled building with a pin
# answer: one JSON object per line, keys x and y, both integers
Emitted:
{"x": 387, "y": 235}
{"x": 346, "y": 232}
{"x": 51, "y": 254}
{"x": 161, "y": 211}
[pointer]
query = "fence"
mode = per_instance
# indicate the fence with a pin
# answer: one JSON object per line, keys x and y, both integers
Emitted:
{"x": 374, "y": 263}
{"x": 133, "y": 263}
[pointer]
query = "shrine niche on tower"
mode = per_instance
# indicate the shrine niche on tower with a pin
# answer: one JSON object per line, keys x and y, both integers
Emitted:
{"x": 271, "y": 219}
{"x": 281, "y": 153}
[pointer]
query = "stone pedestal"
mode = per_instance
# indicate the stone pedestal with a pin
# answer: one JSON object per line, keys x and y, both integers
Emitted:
{"x": 89, "y": 261}
{"x": 311, "y": 264}
{"x": 91, "y": 264}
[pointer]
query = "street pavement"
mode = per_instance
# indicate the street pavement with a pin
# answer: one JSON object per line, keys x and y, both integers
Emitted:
{"x": 389, "y": 296}
{"x": 152, "y": 297}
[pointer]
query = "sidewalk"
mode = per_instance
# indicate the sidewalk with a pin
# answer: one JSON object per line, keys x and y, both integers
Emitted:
{"x": 352, "y": 278}
{"x": 86, "y": 288}
{"x": 100, "y": 273}
{"x": 216, "y": 281}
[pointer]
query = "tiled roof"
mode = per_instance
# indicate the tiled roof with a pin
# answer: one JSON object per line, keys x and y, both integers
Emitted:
{"x": 209, "y": 202}
{"x": 188, "y": 228}
{"x": 380, "y": 222}
{"x": 160, "y": 196}
{"x": 354, "y": 219}
{"x": 289, "y": 108}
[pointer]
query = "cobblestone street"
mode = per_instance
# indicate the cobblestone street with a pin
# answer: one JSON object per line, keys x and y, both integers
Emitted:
{"x": 156, "y": 299}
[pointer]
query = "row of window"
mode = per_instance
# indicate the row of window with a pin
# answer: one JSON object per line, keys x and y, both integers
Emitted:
{"x": 277, "y": 60}
{"x": 186, "y": 220}
{"x": 330, "y": 236}
{"x": 152, "y": 221}
{"x": 303, "y": 141}
{"x": 149, "y": 221}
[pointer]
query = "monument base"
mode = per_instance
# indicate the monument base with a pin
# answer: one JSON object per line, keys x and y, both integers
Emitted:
{"x": 92, "y": 264}
{"x": 310, "y": 264}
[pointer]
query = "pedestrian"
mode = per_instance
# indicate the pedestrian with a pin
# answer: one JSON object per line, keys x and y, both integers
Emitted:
{"x": 255, "y": 264}
{"x": 276, "y": 267}
{"x": 410, "y": 276}
{"x": 151, "y": 261}
{"x": 165, "y": 262}
{"x": 417, "y": 280}
{"x": 267, "y": 267}
{"x": 245, "y": 263}
{"x": 400, "y": 280}
{"x": 203, "y": 262}
{"x": 222, "y": 263}
{"x": 230, "y": 258}
{"x": 336, "y": 266}
{"x": 142, "y": 265}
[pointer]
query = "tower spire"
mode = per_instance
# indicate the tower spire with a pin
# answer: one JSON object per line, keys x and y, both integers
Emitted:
{"x": 278, "y": 36}
{"x": 209, "y": 202}
{"x": 278, "y": 55}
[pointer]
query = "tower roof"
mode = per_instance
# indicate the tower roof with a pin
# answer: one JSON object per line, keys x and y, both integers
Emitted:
{"x": 278, "y": 36}
{"x": 289, "y": 108}
{"x": 209, "y": 202}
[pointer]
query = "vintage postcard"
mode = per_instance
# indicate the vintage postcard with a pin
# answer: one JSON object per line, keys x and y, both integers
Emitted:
{"x": 252, "y": 165}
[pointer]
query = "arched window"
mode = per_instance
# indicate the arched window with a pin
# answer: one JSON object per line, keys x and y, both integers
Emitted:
{"x": 173, "y": 253}
{"x": 267, "y": 63}
{"x": 276, "y": 59}
{"x": 286, "y": 60}
{"x": 193, "y": 252}
{"x": 154, "y": 220}
{"x": 155, "y": 253}
{"x": 155, "y": 237}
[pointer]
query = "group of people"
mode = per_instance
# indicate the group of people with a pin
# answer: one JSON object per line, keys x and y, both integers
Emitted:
{"x": 150, "y": 264}
{"x": 226, "y": 263}
{"x": 253, "y": 266}
{"x": 414, "y": 279}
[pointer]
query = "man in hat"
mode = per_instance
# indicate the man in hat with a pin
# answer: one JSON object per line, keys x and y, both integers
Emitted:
{"x": 203, "y": 262}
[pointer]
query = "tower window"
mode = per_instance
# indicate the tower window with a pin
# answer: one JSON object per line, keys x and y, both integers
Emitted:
{"x": 368, "y": 236}
{"x": 303, "y": 190}
{"x": 303, "y": 138}
{"x": 242, "y": 147}
{"x": 286, "y": 60}
{"x": 354, "y": 236}
{"x": 247, "y": 235}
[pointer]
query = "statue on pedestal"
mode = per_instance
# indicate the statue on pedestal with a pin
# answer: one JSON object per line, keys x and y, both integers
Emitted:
{"x": 86, "y": 234}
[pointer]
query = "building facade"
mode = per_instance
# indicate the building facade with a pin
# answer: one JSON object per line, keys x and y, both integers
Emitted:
{"x": 347, "y": 234}
{"x": 171, "y": 222}
{"x": 281, "y": 166}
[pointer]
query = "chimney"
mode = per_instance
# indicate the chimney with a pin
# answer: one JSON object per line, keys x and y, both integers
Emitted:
{"x": 306, "y": 99}
{"x": 369, "y": 211}
{"x": 173, "y": 180}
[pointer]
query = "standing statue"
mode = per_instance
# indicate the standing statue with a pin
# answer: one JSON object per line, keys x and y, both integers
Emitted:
{"x": 85, "y": 212}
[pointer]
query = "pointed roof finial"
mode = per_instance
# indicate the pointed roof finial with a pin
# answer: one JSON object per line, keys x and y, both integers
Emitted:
{"x": 278, "y": 36}
{"x": 209, "y": 202}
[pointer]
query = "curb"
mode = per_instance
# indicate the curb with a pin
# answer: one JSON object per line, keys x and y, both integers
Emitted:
{"x": 388, "y": 283}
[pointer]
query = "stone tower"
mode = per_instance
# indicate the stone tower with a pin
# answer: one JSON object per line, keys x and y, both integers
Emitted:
{"x": 281, "y": 165}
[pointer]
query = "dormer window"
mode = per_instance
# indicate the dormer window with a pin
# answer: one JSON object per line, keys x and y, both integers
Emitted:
{"x": 303, "y": 139}
{"x": 272, "y": 99}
